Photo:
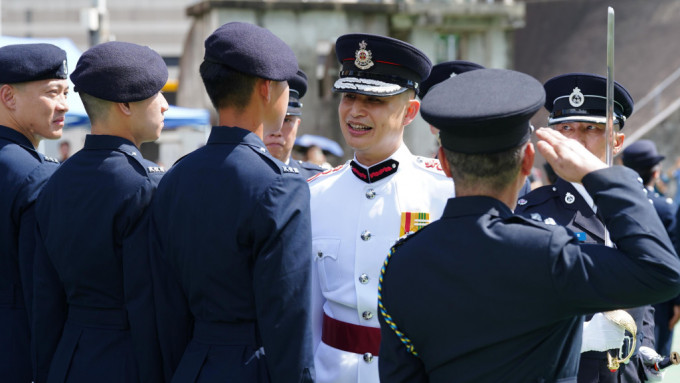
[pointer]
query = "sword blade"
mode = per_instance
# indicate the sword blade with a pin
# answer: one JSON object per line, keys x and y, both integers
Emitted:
{"x": 609, "y": 126}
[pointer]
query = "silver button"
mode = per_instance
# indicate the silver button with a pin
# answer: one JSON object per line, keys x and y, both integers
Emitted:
{"x": 370, "y": 194}
{"x": 366, "y": 235}
{"x": 319, "y": 254}
{"x": 363, "y": 278}
{"x": 367, "y": 315}
{"x": 368, "y": 357}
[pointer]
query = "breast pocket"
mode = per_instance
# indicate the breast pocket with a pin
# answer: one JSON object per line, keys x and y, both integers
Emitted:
{"x": 329, "y": 267}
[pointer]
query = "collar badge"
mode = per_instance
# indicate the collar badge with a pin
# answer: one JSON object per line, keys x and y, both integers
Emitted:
{"x": 363, "y": 57}
{"x": 569, "y": 198}
{"x": 522, "y": 202}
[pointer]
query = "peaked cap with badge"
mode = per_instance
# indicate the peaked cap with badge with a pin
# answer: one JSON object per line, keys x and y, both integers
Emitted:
{"x": 298, "y": 89}
{"x": 582, "y": 97}
{"x": 32, "y": 62}
{"x": 492, "y": 113}
{"x": 377, "y": 65}
{"x": 119, "y": 71}
{"x": 445, "y": 70}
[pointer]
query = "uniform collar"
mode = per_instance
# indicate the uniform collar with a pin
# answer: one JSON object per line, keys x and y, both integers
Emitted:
{"x": 234, "y": 135}
{"x": 380, "y": 170}
{"x": 475, "y": 206}
{"x": 15, "y": 136}
{"x": 102, "y": 141}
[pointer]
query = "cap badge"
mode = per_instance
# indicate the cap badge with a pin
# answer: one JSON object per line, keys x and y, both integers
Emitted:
{"x": 569, "y": 198}
{"x": 363, "y": 57}
{"x": 576, "y": 98}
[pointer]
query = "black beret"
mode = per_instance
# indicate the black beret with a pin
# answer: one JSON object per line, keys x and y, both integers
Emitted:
{"x": 379, "y": 66}
{"x": 483, "y": 111}
{"x": 253, "y": 50}
{"x": 641, "y": 154}
{"x": 298, "y": 88}
{"x": 582, "y": 97}
{"x": 442, "y": 71}
{"x": 120, "y": 72}
{"x": 32, "y": 62}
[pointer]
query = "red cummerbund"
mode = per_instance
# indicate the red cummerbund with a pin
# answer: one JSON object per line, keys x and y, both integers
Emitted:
{"x": 350, "y": 337}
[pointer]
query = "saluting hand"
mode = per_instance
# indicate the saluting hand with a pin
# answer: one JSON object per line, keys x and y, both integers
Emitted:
{"x": 570, "y": 160}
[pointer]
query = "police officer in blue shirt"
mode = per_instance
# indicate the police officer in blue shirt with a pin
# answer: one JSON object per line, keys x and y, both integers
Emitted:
{"x": 281, "y": 141}
{"x": 643, "y": 157}
{"x": 233, "y": 222}
{"x": 504, "y": 295}
{"x": 33, "y": 89}
{"x": 93, "y": 317}
{"x": 577, "y": 106}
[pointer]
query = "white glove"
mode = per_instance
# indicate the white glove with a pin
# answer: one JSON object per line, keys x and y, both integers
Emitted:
{"x": 601, "y": 334}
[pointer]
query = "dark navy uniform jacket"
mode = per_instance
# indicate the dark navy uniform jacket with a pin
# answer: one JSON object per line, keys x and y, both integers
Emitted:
{"x": 664, "y": 311}
{"x": 567, "y": 207}
{"x": 234, "y": 225}
{"x": 528, "y": 284}
{"x": 23, "y": 173}
{"x": 93, "y": 317}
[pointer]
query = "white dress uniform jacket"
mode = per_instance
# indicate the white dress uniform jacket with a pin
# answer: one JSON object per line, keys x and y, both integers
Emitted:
{"x": 354, "y": 224}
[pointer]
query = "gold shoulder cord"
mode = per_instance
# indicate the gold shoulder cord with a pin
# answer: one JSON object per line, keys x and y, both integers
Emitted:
{"x": 624, "y": 320}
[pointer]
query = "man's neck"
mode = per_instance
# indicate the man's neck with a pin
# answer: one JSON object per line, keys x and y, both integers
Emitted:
{"x": 370, "y": 159}
{"x": 35, "y": 140}
{"x": 243, "y": 118}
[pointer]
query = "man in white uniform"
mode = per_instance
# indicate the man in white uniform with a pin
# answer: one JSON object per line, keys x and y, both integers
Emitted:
{"x": 361, "y": 208}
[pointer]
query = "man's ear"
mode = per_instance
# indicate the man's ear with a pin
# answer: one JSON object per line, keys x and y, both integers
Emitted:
{"x": 441, "y": 155}
{"x": 528, "y": 159}
{"x": 124, "y": 107}
{"x": 264, "y": 89}
{"x": 8, "y": 96}
{"x": 618, "y": 142}
{"x": 411, "y": 111}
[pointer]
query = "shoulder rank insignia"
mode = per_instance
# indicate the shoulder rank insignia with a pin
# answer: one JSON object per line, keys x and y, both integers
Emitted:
{"x": 51, "y": 159}
{"x": 412, "y": 222}
{"x": 536, "y": 217}
{"x": 290, "y": 169}
{"x": 156, "y": 169}
{"x": 549, "y": 221}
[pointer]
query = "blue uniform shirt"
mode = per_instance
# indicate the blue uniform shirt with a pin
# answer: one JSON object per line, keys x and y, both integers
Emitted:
{"x": 93, "y": 306}
{"x": 234, "y": 224}
{"x": 23, "y": 173}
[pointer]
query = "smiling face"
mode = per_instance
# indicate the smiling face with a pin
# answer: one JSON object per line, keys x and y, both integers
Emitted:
{"x": 374, "y": 126}
{"x": 280, "y": 143}
{"x": 590, "y": 135}
{"x": 40, "y": 108}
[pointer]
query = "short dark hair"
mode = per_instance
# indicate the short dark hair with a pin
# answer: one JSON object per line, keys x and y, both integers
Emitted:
{"x": 492, "y": 170}
{"x": 226, "y": 87}
{"x": 96, "y": 108}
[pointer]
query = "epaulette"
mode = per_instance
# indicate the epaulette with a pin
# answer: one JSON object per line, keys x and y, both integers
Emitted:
{"x": 532, "y": 219}
{"x": 327, "y": 172}
{"x": 538, "y": 196}
{"x": 262, "y": 151}
{"x": 431, "y": 164}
